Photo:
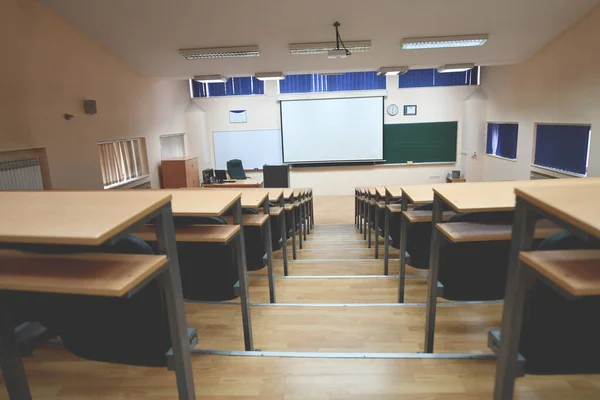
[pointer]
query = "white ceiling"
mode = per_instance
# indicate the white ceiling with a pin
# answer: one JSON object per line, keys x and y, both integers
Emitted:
{"x": 147, "y": 34}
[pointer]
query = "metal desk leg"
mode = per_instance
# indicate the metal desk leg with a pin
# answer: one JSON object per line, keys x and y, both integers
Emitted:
{"x": 402, "y": 278}
{"x": 368, "y": 222}
{"x": 10, "y": 360}
{"x": 170, "y": 281}
{"x": 243, "y": 276}
{"x": 312, "y": 213}
{"x": 269, "y": 251}
{"x": 355, "y": 210}
{"x": 305, "y": 219}
{"x": 376, "y": 208}
{"x": 514, "y": 298}
{"x": 432, "y": 280}
{"x": 283, "y": 238}
{"x": 386, "y": 243}
{"x": 293, "y": 211}
{"x": 300, "y": 232}
{"x": 360, "y": 216}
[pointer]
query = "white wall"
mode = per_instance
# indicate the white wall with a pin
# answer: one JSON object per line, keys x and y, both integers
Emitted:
{"x": 560, "y": 84}
{"x": 48, "y": 67}
{"x": 433, "y": 105}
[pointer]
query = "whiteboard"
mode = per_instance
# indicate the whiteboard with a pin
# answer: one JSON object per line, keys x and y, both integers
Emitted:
{"x": 254, "y": 148}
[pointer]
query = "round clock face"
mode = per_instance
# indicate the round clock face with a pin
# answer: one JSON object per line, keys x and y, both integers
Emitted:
{"x": 392, "y": 109}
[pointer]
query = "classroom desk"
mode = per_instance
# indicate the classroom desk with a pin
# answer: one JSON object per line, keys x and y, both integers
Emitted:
{"x": 92, "y": 218}
{"x": 277, "y": 196}
{"x": 197, "y": 202}
{"x": 572, "y": 206}
{"x": 472, "y": 197}
{"x": 379, "y": 204}
{"x": 239, "y": 184}
{"x": 413, "y": 194}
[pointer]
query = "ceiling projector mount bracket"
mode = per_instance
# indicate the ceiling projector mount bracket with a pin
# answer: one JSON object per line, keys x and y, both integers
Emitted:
{"x": 338, "y": 52}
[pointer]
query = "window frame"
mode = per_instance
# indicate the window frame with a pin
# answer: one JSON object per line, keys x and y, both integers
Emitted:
{"x": 171, "y": 135}
{"x": 253, "y": 80}
{"x": 324, "y": 84}
{"x": 474, "y": 82}
{"x": 556, "y": 170}
{"x": 517, "y": 144}
{"x": 144, "y": 174}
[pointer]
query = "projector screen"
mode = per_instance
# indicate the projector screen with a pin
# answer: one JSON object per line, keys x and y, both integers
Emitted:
{"x": 332, "y": 130}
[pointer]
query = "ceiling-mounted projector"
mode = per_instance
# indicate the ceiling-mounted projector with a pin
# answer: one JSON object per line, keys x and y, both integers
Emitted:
{"x": 337, "y": 53}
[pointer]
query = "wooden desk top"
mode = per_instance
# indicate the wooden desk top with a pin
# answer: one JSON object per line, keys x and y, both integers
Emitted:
{"x": 288, "y": 193}
{"x": 497, "y": 196}
{"x": 193, "y": 233}
{"x": 201, "y": 203}
{"x": 101, "y": 274}
{"x": 275, "y": 194}
{"x": 420, "y": 194}
{"x": 65, "y": 217}
{"x": 576, "y": 271}
{"x": 380, "y": 191}
{"x": 246, "y": 183}
{"x": 372, "y": 191}
{"x": 395, "y": 191}
{"x": 575, "y": 203}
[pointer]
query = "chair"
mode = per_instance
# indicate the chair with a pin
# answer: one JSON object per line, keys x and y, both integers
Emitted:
{"x": 133, "y": 331}
{"x": 560, "y": 335}
{"x": 418, "y": 238}
{"x": 236, "y": 169}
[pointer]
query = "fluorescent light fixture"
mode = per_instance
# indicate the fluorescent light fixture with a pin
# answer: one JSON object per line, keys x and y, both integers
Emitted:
{"x": 441, "y": 42}
{"x": 210, "y": 78}
{"x": 324, "y": 47}
{"x": 220, "y": 52}
{"x": 330, "y": 73}
{"x": 392, "y": 71}
{"x": 269, "y": 76}
{"x": 455, "y": 68}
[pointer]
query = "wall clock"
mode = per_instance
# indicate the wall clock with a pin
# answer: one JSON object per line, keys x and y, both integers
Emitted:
{"x": 392, "y": 110}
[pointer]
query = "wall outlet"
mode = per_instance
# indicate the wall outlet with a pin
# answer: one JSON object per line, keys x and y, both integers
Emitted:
{"x": 434, "y": 177}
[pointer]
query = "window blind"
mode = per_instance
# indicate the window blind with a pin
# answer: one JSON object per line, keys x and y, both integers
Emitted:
{"x": 23, "y": 174}
{"x": 348, "y": 81}
{"x": 502, "y": 140}
{"x": 122, "y": 161}
{"x": 562, "y": 147}
{"x": 242, "y": 86}
{"x": 418, "y": 78}
{"x": 172, "y": 146}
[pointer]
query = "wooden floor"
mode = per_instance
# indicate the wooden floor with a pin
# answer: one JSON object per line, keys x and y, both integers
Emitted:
{"x": 337, "y": 302}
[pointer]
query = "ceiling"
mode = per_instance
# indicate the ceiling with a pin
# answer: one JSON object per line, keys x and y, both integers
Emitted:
{"x": 147, "y": 34}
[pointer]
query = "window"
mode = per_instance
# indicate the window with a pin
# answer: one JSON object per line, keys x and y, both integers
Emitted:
{"x": 316, "y": 83}
{"x": 172, "y": 146}
{"x": 562, "y": 147}
{"x": 24, "y": 170}
{"x": 123, "y": 161}
{"x": 502, "y": 140}
{"x": 418, "y": 78}
{"x": 233, "y": 87}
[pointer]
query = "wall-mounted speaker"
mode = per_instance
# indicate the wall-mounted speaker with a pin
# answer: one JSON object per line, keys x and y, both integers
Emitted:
{"x": 89, "y": 106}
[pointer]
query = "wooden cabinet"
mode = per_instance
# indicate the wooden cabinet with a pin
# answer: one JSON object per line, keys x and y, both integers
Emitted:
{"x": 180, "y": 172}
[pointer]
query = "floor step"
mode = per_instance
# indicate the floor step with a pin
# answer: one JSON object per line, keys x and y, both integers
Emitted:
{"x": 331, "y": 268}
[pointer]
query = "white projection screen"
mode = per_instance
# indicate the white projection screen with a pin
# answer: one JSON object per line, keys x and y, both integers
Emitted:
{"x": 331, "y": 130}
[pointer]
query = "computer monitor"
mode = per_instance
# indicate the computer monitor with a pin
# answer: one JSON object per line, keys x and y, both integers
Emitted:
{"x": 221, "y": 175}
{"x": 207, "y": 175}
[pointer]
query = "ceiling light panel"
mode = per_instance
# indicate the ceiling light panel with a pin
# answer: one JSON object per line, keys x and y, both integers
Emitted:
{"x": 269, "y": 76}
{"x": 324, "y": 47}
{"x": 455, "y": 68}
{"x": 220, "y": 52}
{"x": 441, "y": 42}
{"x": 392, "y": 71}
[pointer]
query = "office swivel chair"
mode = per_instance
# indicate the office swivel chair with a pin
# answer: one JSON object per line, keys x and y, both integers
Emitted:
{"x": 236, "y": 169}
{"x": 133, "y": 331}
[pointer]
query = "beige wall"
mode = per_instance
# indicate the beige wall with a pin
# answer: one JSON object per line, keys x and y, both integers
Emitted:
{"x": 48, "y": 68}
{"x": 560, "y": 84}
{"x": 434, "y": 105}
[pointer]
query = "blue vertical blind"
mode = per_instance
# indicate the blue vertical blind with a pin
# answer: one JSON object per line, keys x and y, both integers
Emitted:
{"x": 563, "y": 147}
{"x": 418, "y": 78}
{"x": 233, "y": 87}
{"x": 502, "y": 140}
{"x": 348, "y": 81}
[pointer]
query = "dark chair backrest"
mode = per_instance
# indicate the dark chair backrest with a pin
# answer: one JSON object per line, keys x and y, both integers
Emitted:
{"x": 559, "y": 336}
{"x": 132, "y": 331}
{"x": 236, "y": 169}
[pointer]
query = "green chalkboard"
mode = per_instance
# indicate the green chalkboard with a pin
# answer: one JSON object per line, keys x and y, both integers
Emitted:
{"x": 420, "y": 143}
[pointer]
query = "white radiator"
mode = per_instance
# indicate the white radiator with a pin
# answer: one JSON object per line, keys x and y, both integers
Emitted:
{"x": 21, "y": 175}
